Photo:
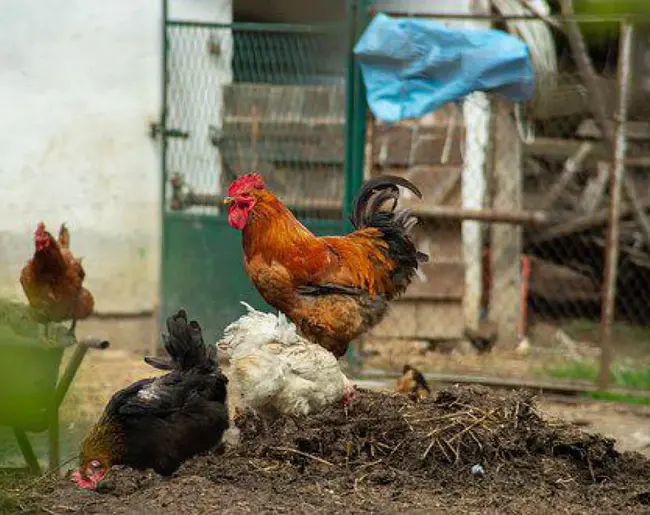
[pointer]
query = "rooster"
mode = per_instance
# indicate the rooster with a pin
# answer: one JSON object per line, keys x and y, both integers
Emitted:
{"x": 277, "y": 371}
{"x": 53, "y": 281}
{"x": 160, "y": 422}
{"x": 413, "y": 384}
{"x": 333, "y": 288}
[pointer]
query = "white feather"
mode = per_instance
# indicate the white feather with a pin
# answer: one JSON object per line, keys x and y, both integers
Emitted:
{"x": 276, "y": 369}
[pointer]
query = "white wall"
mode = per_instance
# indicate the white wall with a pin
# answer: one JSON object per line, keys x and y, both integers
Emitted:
{"x": 79, "y": 80}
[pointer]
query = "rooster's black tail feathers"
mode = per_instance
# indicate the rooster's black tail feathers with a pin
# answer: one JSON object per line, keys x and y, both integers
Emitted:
{"x": 395, "y": 224}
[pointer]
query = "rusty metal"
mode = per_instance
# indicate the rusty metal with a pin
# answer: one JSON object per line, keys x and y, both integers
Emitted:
{"x": 616, "y": 178}
{"x": 184, "y": 200}
{"x": 486, "y": 215}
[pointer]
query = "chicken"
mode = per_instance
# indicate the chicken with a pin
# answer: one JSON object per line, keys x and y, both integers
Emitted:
{"x": 413, "y": 384}
{"x": 277, "y": 371}
{"x": 333, "y": 288}
{"x": 53, "y": 281}
{"x": 160, "y": 422}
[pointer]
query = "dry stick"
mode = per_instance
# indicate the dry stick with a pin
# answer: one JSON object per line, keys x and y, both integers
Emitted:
{"x": 597, "y": 104}
{"x": 300, "y": 453}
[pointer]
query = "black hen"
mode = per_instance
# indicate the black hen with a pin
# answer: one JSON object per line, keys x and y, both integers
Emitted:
{"x": 159, "y": 423}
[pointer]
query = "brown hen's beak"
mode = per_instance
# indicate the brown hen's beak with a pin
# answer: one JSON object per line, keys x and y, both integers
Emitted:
{"x": 228, "y": 200}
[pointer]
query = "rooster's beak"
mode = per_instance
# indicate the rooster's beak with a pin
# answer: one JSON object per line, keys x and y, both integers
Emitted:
{"x": 228, "y": 200}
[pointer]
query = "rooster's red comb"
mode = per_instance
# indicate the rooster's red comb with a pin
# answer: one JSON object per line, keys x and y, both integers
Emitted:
{"x": 246, "y": 183}
{"x": 40, "y": 228}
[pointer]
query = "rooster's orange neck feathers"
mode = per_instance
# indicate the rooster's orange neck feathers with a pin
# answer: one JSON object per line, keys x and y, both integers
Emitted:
{"x": 272, "y": 226}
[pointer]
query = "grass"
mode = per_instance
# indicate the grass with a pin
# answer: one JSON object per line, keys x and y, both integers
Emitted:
{"x": 634, "y": 338}
{"x": 621, "y": 376}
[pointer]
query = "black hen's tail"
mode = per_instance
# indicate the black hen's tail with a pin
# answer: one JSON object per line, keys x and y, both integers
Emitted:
{"x": 185, "y": 346}
{"x": 395, "y": 224}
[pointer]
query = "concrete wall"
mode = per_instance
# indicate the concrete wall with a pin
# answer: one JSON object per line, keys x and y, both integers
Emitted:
{"x": 79, "y": 81}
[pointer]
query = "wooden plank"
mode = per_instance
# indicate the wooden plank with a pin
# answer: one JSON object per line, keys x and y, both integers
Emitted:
{"x": 506, "y": 240}
{"x": 592, "y": 196}
{"x": 572, "y": 166}
{"x": 437, "y": 281}
{"x": 583, "y": 223}
{"x": 560, "y": 149}
{"x": 635, "y": 130}
{"x": 422, "y": 320}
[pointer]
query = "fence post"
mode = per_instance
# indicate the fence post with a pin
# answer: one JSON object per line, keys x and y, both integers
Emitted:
{"x": 616, "y": 177}
{"x": 506, "y": 240}
{"x": 476, "y": 117}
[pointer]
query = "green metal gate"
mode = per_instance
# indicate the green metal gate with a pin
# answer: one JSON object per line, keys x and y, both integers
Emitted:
{"x": 275, "y": 98}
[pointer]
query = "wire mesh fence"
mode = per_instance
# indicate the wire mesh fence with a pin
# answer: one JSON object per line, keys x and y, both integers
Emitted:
{"x": 516, "y": 197}
{"x": 256, "y": 97}
{"x": 516, "y": 214}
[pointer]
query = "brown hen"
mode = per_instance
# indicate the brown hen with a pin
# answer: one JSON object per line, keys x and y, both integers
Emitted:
{"x": 53, "y": 280}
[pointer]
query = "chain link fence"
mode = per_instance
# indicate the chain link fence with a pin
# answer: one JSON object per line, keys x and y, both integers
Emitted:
{"x": 515, "y": 217}
{"x": 269, "y": 98}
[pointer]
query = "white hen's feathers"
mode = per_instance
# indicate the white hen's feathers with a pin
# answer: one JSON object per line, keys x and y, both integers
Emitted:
{"x": 276, "y": 369}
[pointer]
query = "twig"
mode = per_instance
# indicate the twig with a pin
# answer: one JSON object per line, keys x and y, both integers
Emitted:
{"x": 591, "y": 470}
{"x": 471, "y": 426}
{"x": 304, "y": 454}
{"x": 442, "y": 417}
{"x": 478, "y": 442}
{"x": 46, "y": 510}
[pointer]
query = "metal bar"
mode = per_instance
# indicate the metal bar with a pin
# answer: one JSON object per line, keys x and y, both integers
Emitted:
{"x": 485, "y": 215}
{"x": 260, "y": 27}
{"x": 555, "y": 19}
{"x": 597, "y": 104}
{"x": 616, "y": 178}
{"x": 533, "y": 384}
{"x": 434, "y": 212}
{"x": 28, "y": 451}
{"x": 68, "y": 375}
{"x": 355, "y": 125}
{"x": 163, "y": 156}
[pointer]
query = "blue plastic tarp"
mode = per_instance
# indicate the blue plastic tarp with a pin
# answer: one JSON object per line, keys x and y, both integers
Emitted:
{"x": 412, "y": 67}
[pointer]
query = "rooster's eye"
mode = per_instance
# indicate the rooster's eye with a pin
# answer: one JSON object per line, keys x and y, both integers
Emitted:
{"x": 95, "y": 463}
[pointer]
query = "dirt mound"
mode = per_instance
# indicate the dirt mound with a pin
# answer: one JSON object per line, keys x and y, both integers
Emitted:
{"x": 466, "y": 449}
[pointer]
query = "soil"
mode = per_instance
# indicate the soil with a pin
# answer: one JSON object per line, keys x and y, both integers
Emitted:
{"x": 467, "y": 449}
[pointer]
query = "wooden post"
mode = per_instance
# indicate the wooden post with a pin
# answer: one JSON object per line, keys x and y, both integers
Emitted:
{"x": 506, "y": 240}
{"x": 617, "y": 177}
{"x": 476, "y": 118}
{"x": 476, "y": 113}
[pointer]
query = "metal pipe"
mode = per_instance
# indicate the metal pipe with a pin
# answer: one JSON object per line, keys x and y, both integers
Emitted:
{"x": 616, "y": 178}
{"x": 558, "y": 19}
{"x": 485, "y": 215}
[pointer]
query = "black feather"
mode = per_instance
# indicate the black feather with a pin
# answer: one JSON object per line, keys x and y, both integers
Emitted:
{"x": 328, "y": 289}
{"x": 394, "y": 224}
{"x": 166, "y": 420}
{"x": 184, "y": 344}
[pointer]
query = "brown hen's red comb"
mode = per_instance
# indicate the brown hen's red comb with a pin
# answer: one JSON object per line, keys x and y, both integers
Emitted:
{"x": 246, "y": 183}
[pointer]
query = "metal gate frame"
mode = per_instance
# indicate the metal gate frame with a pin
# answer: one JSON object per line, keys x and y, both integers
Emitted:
{"x": 201, "y": 259}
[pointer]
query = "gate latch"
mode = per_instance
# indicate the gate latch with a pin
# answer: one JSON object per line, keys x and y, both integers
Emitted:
{"x": 155, "y": 129}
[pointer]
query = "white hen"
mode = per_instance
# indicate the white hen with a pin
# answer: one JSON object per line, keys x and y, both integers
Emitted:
{"x": 278, "y": 371}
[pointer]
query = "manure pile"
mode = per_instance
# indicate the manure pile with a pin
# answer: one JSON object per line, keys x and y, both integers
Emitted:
{"x": 466, "y": 448}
